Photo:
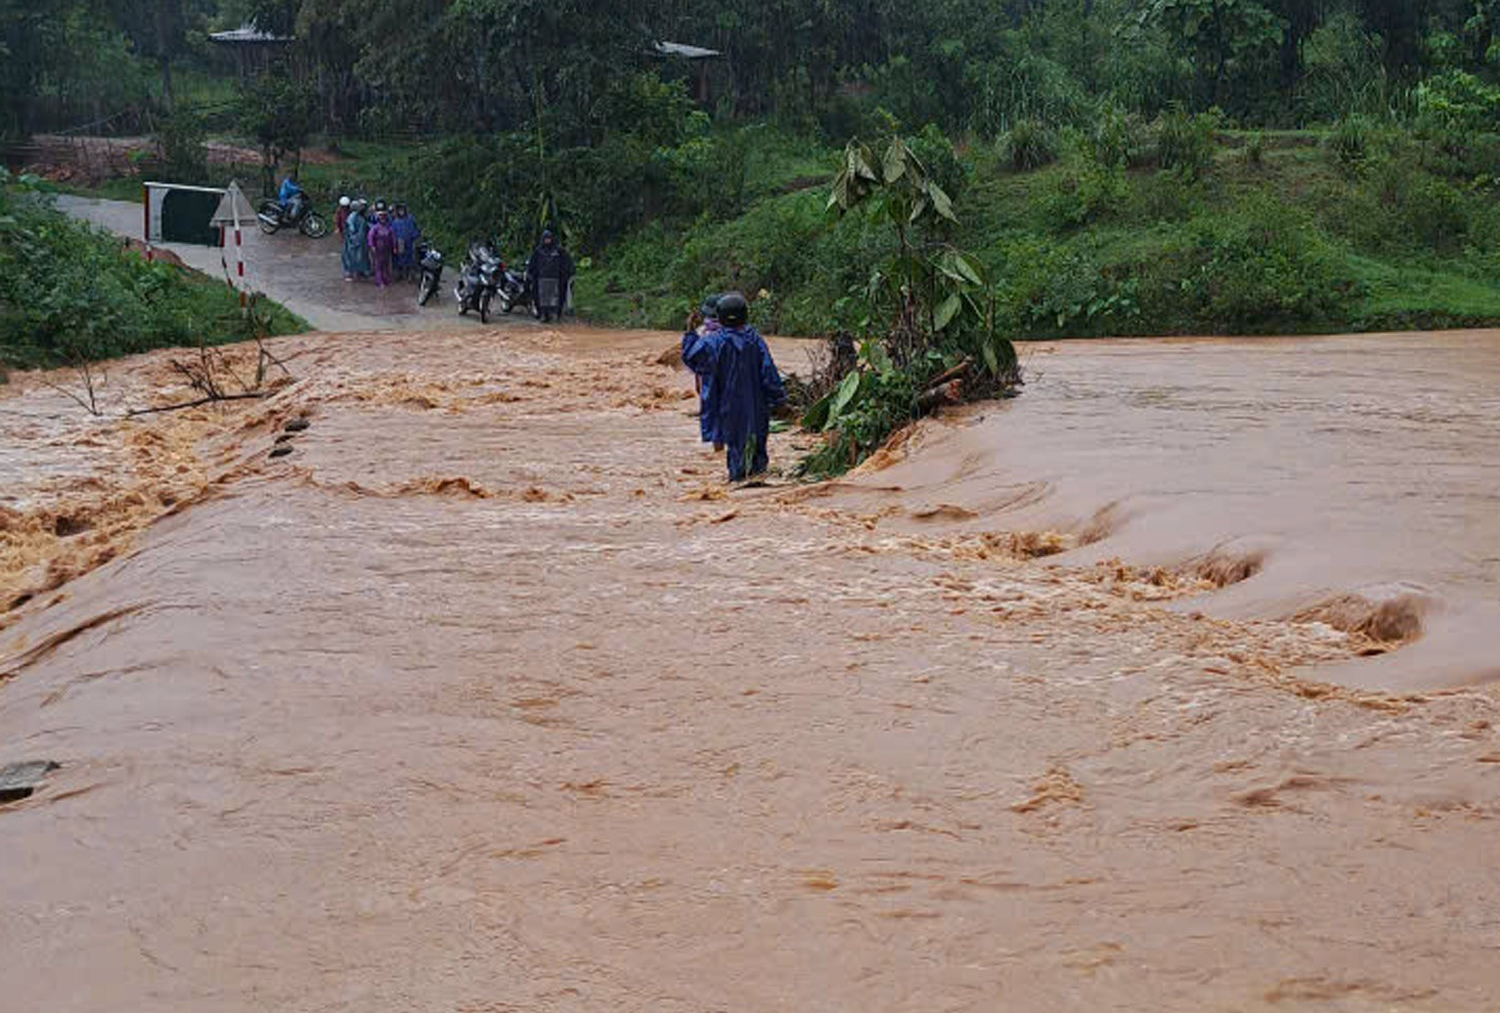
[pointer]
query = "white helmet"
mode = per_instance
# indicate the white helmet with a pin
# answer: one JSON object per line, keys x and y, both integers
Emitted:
{"x": 344, "y": 202}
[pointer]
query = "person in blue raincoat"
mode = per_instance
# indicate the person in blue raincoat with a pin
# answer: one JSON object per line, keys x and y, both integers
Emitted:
{"x": 356, "y": 250}
{"x": 407, "y": 236}
{"x": 709, "y": 312}
{"x": 742, "y": 385}
{"x": 290, "y": 190}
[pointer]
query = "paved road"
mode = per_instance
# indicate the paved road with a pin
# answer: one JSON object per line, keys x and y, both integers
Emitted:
{"x": 302, "y": 274}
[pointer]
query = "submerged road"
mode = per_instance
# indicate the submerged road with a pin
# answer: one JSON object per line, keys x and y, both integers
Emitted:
{"x": 491, "y": 697}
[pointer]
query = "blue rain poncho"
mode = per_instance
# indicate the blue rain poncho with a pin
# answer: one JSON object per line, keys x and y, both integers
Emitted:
{"x": 356, "y": 250}
{"x": 706, "y": 425}
{"x": 741, "y": 386}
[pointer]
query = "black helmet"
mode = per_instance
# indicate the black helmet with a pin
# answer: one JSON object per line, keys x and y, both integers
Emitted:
{"x": 734, "y": 311}
{"x": 710, "y": 307}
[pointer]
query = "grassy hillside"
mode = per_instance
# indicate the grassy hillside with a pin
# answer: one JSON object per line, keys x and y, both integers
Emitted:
{"x": 1285, "y": 233}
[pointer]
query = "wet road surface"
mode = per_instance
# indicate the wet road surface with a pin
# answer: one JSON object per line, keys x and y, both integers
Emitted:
{"x": 302, "y": 274}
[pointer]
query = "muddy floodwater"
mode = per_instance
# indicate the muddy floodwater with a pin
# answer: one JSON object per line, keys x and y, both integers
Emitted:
{"x": 1166, "y": 686}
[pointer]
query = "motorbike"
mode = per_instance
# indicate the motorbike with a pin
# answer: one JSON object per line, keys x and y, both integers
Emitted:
{"x": 300, "y": 215}
{"x": 479, "y": 280}
{"x": 514, "y": 291}
{"x": 431, "y": 262}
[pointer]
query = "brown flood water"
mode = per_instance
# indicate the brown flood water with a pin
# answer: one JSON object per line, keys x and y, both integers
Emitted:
{"x": 490, "y": 696}
{"x": 1358, "y": 478}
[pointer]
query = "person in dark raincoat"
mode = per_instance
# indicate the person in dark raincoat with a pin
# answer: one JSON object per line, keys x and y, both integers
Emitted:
{"x": 709, "y": 312}
{"x": 356, "y": 236}
{"x": 743, "y": 384}
{"x": 407, "y": 235}
{"x": 548, "y": 272}
{"x": 341, "y": 216}
{"x": 382, "y": 241}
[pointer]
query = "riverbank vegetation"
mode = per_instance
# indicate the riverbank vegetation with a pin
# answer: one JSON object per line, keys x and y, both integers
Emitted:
{"x": 71, "y": 294}
{"x": 1114, "y": 167}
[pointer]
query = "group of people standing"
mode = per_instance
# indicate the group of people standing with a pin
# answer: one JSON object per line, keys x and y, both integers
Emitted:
{"x": 379, "y": 243}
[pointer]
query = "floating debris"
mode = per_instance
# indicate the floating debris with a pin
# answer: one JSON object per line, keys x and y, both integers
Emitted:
{"x": 20, "y": 780}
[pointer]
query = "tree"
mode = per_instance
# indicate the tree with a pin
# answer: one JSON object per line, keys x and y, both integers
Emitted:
{"x": 1221, "y": 35}
{"x": 158, "y": 30}
{"x": 281, "y": 114}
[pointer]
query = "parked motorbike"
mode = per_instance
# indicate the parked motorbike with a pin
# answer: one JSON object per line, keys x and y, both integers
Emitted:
{"x": 514, "y": 291}
{"x": 431, "y": 262}
{"x": 479, "y": 280}
{"x": 299, "y": 215}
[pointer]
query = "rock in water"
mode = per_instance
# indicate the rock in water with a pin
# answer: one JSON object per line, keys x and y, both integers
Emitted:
{"x": 281, "y": 451}
{"x": 297, "y": 426}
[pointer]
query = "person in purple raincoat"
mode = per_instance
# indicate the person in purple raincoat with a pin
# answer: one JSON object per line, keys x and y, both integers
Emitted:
{"x": 382, "y": 249}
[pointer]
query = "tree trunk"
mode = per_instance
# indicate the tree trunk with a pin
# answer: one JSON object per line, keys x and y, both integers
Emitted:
{"x": 166, "y": 83}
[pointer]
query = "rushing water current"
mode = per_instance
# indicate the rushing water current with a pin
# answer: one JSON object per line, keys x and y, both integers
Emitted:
{"x": 490, "y": 696}
{"x": 1356, "y": 475}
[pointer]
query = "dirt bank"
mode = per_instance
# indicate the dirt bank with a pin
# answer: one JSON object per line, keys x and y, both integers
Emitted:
{"x": 490, "y": 696}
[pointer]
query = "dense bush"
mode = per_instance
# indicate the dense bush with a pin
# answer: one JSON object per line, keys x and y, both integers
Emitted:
{"x": 1185, "y": 144}
{"x": 1257, "y": 269}
{"x": 1115, "y": 138}
{"x": 1092, "y": 194}
{"x": 69, "y": 293}
{"x": 1028, "y": 145}
{"x": 1349, "y": 143}
{"x": 1088, "y": 248}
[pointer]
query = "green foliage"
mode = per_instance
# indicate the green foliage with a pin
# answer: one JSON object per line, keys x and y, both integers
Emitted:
{"x": 1255, "y": 150}
{"x": 1343, "y": 72}
{"x": 1185, "y": 144}
{"x": 1028, "y": 145}
{"x": 280, "y": 113}
{"x": 1460, "y": 103}
{"x": 69, "y": 294}
{"x": 1115, "y": 139}
{"x": 924, "y": 306}
{"x": 1092, "y": 194}
{"x": 184, "y": 158}
{"x": 1225, "y": 38}
{"x": 1021, "y": 86}
{"x": 665, "y": 163}
{"x": 1255, "y": 269}
{"x": 871, "y": 402}
{"x": 1349, "y": 144}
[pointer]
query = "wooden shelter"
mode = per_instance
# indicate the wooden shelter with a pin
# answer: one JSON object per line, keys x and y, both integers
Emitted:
{"x": 254, "y": 50}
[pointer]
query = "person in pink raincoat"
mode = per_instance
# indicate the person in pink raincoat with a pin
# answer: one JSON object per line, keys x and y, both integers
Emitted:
{"x": 382, "y": 249}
